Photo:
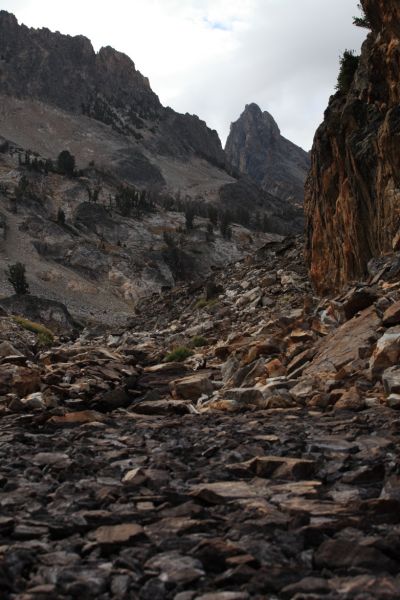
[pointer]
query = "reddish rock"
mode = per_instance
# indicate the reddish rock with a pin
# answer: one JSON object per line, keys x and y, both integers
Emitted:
{"x": 352, "y": 195}
{"x": 392, "y": 315}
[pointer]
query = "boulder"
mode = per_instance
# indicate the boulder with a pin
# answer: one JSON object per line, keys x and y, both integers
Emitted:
{"x": 391, "y": 380}
{"x": 392, "y": 315}
{"x": 19, "y": 380}
{"x": 342, "y": 346}
{"x": 387, "y": 351}
{"x": 192, "y": 387}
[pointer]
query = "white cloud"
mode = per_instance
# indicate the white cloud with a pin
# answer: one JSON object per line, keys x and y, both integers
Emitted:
{"x": 211, "y": 57}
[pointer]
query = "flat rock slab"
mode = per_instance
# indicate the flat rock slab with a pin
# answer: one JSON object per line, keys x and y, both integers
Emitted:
{"x": 342, "y": 345}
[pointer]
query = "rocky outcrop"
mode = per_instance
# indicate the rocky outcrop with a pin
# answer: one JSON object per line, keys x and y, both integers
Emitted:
{"x": 51, "y": 313}
{"x": 256, "y": 147}
{"x": 352, "y": 194}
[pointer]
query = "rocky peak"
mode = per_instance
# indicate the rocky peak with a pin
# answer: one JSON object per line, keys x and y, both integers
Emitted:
{"x": 353, "y": 196}
{"x": 256, "y": 147}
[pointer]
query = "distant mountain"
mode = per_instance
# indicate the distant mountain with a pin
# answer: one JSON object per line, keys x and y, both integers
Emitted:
{"x": 56, "y": 92}
{"x": 256, "y": 147}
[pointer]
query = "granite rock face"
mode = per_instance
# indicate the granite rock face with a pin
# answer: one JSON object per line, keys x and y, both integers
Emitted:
{"x": 352, "y": 194}
{"x": 256, "y": 147}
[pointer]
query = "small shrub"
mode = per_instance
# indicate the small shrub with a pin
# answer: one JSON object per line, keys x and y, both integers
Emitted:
{"x": 348, "y": 67}
{"x": 45, "y": 336}
{"x": 45, "y": 340}
{"x": 202, "y": 303}
{"x": 199, "y": 342}
{"x": 16, "y": 276}
{"x": 178, "y": 355}
{"x": 66, "y": 163}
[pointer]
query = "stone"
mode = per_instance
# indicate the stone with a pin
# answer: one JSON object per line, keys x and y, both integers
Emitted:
{"x": 357, "y": 300}
{"x": 275, "y": 368}
{"x": 394, "y": 401}
{"x": 392, "y": 315}
{"x": 175, "y": 568}
{"x": 134, "y": 477}
{"x": 277, "y": 467}
{"x": 115, "y": 535}
{"x": 34, "y": 401}
{"x": 344, "y": 554}
{"x": 19, "y": 380}
{"x": 350, "y": 400}
{"x": 387, "y": 351}
{"x": 7, "y": 349}
{"x": 192, "y": 387}
{"x": 245, "y": 396}
{"x": 341, "y": 347}
{"x": 391, "y": 380}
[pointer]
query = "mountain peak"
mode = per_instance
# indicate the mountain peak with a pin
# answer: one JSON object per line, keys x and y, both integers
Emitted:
{"x": 256, "y": 147}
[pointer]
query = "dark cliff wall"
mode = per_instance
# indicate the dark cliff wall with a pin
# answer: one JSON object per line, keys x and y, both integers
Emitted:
{"x": 256, "y": 147}
{"x": 353, "y": 190}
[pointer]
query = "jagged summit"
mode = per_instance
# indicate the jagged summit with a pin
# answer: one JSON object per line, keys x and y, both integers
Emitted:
{"x": 256, "y": 147}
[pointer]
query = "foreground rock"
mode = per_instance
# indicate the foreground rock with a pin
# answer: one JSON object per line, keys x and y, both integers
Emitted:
{"x": 265, "y": 504}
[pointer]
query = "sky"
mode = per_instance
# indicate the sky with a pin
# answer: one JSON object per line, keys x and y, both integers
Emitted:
{"x": 212, "y": 57}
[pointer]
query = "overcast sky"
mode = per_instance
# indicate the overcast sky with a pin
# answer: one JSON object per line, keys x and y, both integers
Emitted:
{"x": 212, "y": 57}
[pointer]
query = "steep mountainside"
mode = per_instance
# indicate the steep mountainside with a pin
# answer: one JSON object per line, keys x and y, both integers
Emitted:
{"x": 82, "y": 240}
{"x": 256, "y": 147}
{"x": 353, "y": 192}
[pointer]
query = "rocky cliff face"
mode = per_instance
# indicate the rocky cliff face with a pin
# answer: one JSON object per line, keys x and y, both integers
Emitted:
{"x": 353, "y": 192}
{"x": 256, "y": 147}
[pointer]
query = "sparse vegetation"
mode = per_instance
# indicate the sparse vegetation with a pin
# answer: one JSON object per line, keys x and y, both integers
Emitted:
{"x": 17, "y": 277}
{"x": 204, "y": 303}
{"x": 199, "y": 342}
{"x": 362, "y": 21}
{"x": 178, "y": 355}
{"x": 348, "y": 66}
{"x": 45, "y": 336}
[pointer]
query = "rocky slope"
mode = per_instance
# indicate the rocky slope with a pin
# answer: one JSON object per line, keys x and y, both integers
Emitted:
{"x": 353, "y": 197}
{"x": 265, "y": 465}
{"x": 82, "y": 247}
{"x": 256, "y": 147}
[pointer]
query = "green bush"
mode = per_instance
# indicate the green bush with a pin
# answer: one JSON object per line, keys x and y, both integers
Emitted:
{"x": 178, "y": 355}
{"x": 198, "y": 342}
{"x": 348, "y": 66}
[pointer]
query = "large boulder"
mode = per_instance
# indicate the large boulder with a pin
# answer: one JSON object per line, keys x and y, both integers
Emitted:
{"x": 387, "y": 351}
